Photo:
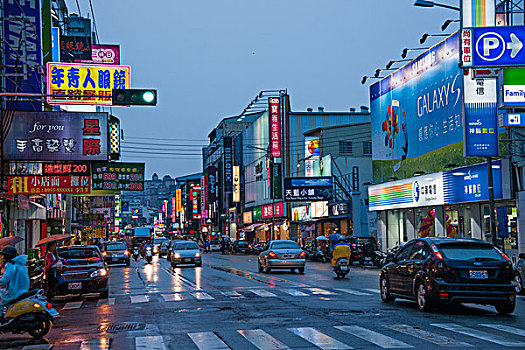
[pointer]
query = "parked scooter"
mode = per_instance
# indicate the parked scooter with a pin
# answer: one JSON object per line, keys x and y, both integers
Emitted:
{"x": 148, "y": 255}
{"x": 379, "y": 258}
{"x": 136, "y": 253}
{"x": 341, "y": 268}
{"x": 29, "y": 313}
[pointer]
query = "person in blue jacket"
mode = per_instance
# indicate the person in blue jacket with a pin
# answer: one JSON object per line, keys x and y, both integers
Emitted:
{"x": 15, "y": 279}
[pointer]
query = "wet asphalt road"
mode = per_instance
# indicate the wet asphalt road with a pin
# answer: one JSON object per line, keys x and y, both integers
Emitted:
{"x": 228, "y": 304}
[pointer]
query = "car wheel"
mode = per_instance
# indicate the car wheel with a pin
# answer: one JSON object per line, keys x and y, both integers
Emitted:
{"x": 104, "y": 294}
{"x": 506, "y": 308}
{"x": 422, "y": 297}
{"x": 301, "y": 270}
{"x": 173, "y": 265}
{"x": 385, "y": 290}
{"x": 518, "y": 283}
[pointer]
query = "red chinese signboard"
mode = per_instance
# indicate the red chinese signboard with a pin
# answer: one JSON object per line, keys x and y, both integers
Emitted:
{"x": 49, "y": 184}
{"x": 274, "y": 104}
{"x": 66, "y": 169}
{"x": 267, "y": 210}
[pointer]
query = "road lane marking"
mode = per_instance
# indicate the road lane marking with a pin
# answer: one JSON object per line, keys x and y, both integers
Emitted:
{"x": 262, "y": 340}
{"x": 208, "y": 341}
{"x": 373, "y": 337}
{"x": 507, "y": 329}
{"x": 319, "y": 339}
{"x": 155, "y": 342}
{"x": 172, "y": 297}
{"x": 295, "y": 293}
{"x": 321, "y": 291}
{"x": 73, "y": 305}
{"x": 108, "y": 301}
{"x": 139, "y": 299}
{"x": 95, "y": 344}
{"x": 353, "y": 292}
{"x": 232, "y": 294}
{"x": 428, "y": 336}
{"x": 262, "y": 293}
{"x": 202, "y": 296}
{"x": 471, "y": 332}
{"x": 372, "y": 290}
{"x": 183, "y": 283}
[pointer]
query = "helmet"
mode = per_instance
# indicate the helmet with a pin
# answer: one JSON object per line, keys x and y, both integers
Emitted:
{"x": 9, "y": 252}
{"x": 342, "y": 238}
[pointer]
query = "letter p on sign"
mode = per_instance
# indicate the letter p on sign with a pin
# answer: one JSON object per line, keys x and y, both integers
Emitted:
{"x": 489, "y": 44}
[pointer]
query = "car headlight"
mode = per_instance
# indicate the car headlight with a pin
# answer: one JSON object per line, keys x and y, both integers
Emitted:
{"x": 176, "y": 256}
{"x": 104, "y": 253}
{"x": 126, "y": 252}
{"x": 99, "y": 273}
{"x": 197, "y": 255}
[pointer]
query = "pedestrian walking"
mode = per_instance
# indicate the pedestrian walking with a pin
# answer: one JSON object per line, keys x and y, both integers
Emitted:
{"x": 51, "y": 263}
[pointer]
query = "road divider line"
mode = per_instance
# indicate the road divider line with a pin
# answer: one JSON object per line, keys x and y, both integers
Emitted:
{"x": 378, "y": 339}
{"x": 208, "y": 341}
{"x": 504, "y": 328}
{"x": 262, "y": 293}
{"x": 73, "y": 305}
{"x": 353, "y": 292}
{"x": 471, "y": 332}
{"x": 180, "y": 279}
{"x": 202, "y": 296}
{"x": 428, "y": 336}
{"x": 154, "y": 342}
{"x": 172, "y": 297}
{"x": 319, "y": 339}
{"x": 321, "y": 291}
{"x": 295, "y": 293}
{"x": 232, "y": 294}
{"x": 135, "y": 299}
{"x": 262, "y": 340}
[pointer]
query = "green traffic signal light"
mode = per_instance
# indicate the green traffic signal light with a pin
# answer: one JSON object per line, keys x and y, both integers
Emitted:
{"x": 134, "y": 97}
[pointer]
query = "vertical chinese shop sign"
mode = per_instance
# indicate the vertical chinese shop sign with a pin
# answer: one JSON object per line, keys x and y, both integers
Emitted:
{"x": 274, "y": 104}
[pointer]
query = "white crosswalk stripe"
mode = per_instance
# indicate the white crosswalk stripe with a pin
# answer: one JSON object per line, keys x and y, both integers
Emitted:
{"x": 208, "y": 341}
{"x": 262, "y": 293}
{"x": 353, "y": 292}
{"x": 471, "y": 332}
{"x": 372, "y": 290}
{"x": 139, "y": 299}
{"x": 73, "y": 305}
{"x": 428, "y": 336}
{"x": 508, "y": 329}
{"x": 378, "y": 339}
{"x": 172, "y": 297}
{"x": 155, "y": 342}
{"x": 262, "y": 340}
{"x": 295, "y": 293}
{"x": 95, "y": 344}
{"x": 319, "y": 339}
{"x": 232, "y": 294}
{"x": 108, "y": 301}
{"x": 320, "y": 291}
{"x": 202, "y": 296}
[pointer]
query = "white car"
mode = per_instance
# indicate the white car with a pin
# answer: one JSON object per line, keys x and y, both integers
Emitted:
{"x": 215, "y": 246}
{"x": 185, "y": 252}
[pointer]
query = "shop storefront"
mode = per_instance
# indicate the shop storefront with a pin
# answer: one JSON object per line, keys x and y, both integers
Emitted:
{"x": 268, "y": 214}
{"x": 450, "y": 203}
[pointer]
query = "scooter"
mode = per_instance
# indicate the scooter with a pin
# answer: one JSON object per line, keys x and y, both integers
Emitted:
{"x": 136, "y": 254}
{"x": 29, "y": 313}
{"x": 148, "y": 255}
{"x": 341, "y": 268}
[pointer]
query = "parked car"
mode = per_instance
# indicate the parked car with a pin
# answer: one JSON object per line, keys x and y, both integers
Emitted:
{"x": 449, "y": 270}
{"x": 215, "y": 246}
{"x": 157, "y": 244}
{"x": 281, "y": 254}
{"x": 185, "y": 252}
{"x": 362, "y": 248}
{"x": 116, "y": 253}
{"x": 84, "y": 271}
{"x": 240, "y": 247}
{"x": 519, "y": 274}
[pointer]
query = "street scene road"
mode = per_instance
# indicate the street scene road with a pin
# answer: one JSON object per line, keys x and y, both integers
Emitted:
{"x": 228, "y": 304}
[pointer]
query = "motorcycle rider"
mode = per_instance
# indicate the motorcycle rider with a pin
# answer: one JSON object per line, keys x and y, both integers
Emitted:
{"x": 15, "y": 278}
{"x": 341, "y": 250}
{"x": 145, "y": 247}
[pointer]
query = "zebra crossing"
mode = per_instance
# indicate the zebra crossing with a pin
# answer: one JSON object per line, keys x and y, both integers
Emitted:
{"x": 220, "y": 295}
{"x": 387, "y": 336}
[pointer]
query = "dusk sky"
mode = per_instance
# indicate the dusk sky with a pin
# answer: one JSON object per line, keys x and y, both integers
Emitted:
{"x": 209, "y": 58}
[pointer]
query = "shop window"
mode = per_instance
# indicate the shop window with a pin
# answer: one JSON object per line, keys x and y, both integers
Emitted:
{"x": 425, "y": 222}
{"x": 345, "y": 147}
{"x": 367, "y": 148}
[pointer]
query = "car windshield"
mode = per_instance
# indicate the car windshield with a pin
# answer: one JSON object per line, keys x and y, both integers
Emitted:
{"x": 116, "y": 246}
{"x": 186, "y": 246}
{"x": 159, "y": 240}
{"x": 242, "y": 243}
{"x": 285, "y": 245}
{"x": 78, "y": 253}
{"x": 466, "y": 251}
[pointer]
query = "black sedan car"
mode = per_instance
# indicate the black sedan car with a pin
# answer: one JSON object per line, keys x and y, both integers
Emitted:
{"x": 447, "y": 271}
{"x": 519, "y": 274}
{"x": 240, "y": 247}
{"x": 84, "y": 271}
{"x": 116, "y": 253}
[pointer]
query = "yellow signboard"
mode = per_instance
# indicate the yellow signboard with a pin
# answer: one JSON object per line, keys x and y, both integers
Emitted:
{"x": 96, "y": 232}
{"x": 87, "y": 84}
{"x": 178, "y": 200}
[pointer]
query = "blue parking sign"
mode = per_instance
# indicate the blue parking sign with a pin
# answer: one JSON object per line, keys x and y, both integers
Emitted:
{"x": 497, "y": 46}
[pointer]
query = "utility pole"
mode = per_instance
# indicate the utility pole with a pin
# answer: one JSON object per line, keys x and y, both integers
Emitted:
{"x": 491, "y": 204}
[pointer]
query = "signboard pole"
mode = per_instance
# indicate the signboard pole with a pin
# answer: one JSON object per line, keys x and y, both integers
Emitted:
{"x": 491, "y": 204}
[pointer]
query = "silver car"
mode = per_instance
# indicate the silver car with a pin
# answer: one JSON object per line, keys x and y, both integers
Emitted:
{"x": 185, "y": 252}
{"x": 282, "y": 255}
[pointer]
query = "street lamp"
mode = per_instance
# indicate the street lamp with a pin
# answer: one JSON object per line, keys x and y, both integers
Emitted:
{"x": 363, "y": 81}
{"x": 424, "y": 3}
{"x": 406, "y": 50}
{"x": 426, "y": 36}
{"x": 447, "y": 23}
{"x": 376, "y": 75}
{"x": 390, "y": 63}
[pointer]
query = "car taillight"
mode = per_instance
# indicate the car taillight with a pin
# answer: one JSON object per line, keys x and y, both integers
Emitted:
{"x": 49, "y": 305}
{"x": 354, "y": 246}
{"x": 302, "y": 255}
{"x": 437, "y": 253}
{"x": 271, "y": 254}
{"x": 503, "y": 254}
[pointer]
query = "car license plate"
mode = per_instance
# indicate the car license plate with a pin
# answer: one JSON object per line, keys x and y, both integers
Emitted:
{"x": 115, "y": 258}
{"x": 344, "y": 268}
{"x": 74, "y": 285}
{"x": 479, "y": 274}
{"x": 187, "y": 259}
{"x": 53, "y": 312}
{"x": 288, "y": 256}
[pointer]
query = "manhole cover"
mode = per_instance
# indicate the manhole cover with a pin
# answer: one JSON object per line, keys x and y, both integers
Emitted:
{"x": 118, "y": 327}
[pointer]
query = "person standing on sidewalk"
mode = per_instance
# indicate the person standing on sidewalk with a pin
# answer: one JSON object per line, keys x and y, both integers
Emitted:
{"x": 51, "y": 263}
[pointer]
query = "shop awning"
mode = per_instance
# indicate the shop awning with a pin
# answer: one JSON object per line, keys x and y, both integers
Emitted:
{"x": 252, "y": 227}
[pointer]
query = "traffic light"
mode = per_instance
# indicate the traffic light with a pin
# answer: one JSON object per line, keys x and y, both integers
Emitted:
{"x": 134, "y": 97}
